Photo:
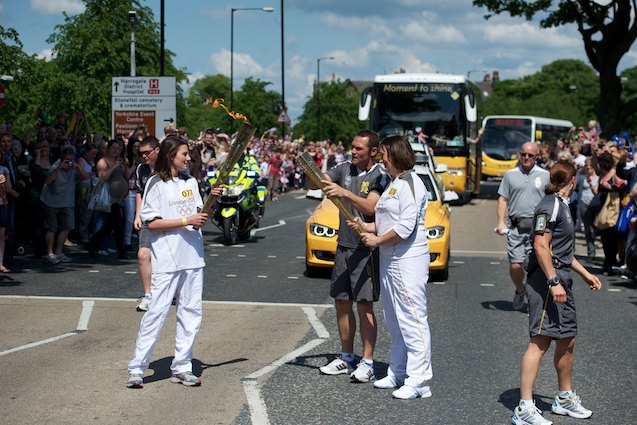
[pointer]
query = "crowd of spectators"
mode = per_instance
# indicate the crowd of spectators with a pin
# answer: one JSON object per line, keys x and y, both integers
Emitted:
{"x": 606, "y": 179}
{"x": 47, "y": 175}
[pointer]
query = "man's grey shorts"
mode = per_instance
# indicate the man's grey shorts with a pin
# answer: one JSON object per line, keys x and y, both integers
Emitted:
{"x": 355, "y": 274}
{"x": 519, "y": 245}
{"x": 144, "y": 236}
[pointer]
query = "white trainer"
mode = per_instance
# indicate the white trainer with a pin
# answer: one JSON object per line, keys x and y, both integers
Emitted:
{"x": 143, "y": 304}
{"x": 337, "y": 367}
{"x": 407, "y": 392}
{"x": 519, "y": 300}
{"x": 530, "y": 416}
{"x": 388, "y": 382}
{"x": 363, "y": 373}
{"x": 571, "y": 406}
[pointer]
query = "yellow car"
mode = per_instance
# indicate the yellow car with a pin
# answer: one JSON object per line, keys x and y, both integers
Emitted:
{"x": 321, "y": 230}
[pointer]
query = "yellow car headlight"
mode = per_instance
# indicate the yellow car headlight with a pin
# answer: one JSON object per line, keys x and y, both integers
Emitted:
{"x": 322, "y": 231}
{"x": 435, "y": 232}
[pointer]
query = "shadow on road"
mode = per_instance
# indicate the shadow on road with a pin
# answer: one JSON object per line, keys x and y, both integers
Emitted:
{"x": 161, "y": 367}
{"x": 499, "y": 305}
{"x": 510, "y": 399}
{"x": 380, "y": 368}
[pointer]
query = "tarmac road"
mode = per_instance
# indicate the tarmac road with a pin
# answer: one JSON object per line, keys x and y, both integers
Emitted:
{"x": 267, "y": 328}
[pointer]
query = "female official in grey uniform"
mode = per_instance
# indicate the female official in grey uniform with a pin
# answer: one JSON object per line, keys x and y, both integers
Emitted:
{"x": 399, "y": 233}
{"x": 551, "y": 305}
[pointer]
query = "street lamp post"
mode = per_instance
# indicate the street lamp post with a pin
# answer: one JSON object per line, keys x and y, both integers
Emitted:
{"x": 232, "y": 10}
{"x": 132, "y": 18}
{"x": 318, "y": 94}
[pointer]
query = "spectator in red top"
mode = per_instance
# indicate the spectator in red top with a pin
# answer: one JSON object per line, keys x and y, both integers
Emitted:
{"x": 274, "y": 174}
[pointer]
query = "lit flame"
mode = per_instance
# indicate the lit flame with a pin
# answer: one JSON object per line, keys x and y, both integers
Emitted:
{"x": 219, "y": 102}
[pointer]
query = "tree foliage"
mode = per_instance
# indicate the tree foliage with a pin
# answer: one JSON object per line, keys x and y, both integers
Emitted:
{"x": 259, "y": 104}
{"x": 338, "y": 103}
{"x": 197, "y": 115}
{"x": 565, "y": 89}
{"x": 608, "y": 31}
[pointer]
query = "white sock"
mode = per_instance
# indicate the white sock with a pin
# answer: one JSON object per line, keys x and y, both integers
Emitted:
{"x": 526, "y": 404}
{"x": 564, "y": 394}
{"x": 368, "y": 362}
{"x": 147, "y": 296}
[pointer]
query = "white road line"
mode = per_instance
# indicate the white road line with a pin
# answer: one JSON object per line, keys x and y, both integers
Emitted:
{"x": 258, "y": 411}
{"x": 231, "y": 275}
{"x": 293, "y": 277}
{"x": 130, "y": 272}
{"x": 494, "y": 262}
{"x": 256, "y": 404}
{"x": 135, "y": 300}
{"x": 487, "y": 284}
{"x": 271, "y": 256}
{"x": 300, "y": 197}
{"x": 458, "y": 262}
{"x": 82, "y": 325}
{"x": 260, "y": 229}
{"x": 238, "y": 246}
{"x": 241, "y": 255}
{"x": 214, "y": 255}
{"x": 87, "y": 309}
{"x": 215, "y": 245}
{"x": 262, "y": 276}
{"x": 36, "y": 344}
{"x": 320, "y": 330}
{"x": 93, "y": 271}
{"x": 300, "y": 257}
{"x": 462, "y": 251}
{"x": 438, "y": 283}
{"x": 614, "y": 290}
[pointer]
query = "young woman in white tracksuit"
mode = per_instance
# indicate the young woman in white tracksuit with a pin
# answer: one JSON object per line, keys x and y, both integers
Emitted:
{"x": 170, "y": 208}
{"x": 399, "y": 233}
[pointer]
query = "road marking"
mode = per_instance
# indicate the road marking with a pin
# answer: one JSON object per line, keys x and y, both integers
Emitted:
{"x": 614, "y": 290}
{"x": 93, "y": 271}
{"x": 300, "y": 197}
{"x": 238, "y": 246}
{"x": 469, "y": 252}
{"x": 82, "y": 325}
{"x": 262, "y": 276}
{"x": 293, "y": 277}
{"x": 271, "y": 256}
{"x": 87, "y": 309}
{"x": 438, "y": 283}
{"x": 300, "y": 257}
{"x": 281, "y": 223}
{"x": 458, "y": 262}
{"x": 241, "y": 255}
{"x": 214, "y": 255}
{"x": 130, "y": 272}
{"x": 215, "y": 245}
{"x": 231, "y": 275}
{"x": 320, "y": 330}
{"x": 494, "y": 262}
{"x": 487, "y": 284}
{"x": 256, "y": 404}
{"x": 136, "y": 300}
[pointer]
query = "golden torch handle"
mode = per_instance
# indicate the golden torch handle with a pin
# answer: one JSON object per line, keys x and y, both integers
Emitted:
{"x": 316, "y": 176}
{"x": 244, "y": 136}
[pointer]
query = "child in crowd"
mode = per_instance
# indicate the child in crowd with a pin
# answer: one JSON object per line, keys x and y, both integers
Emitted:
{"x": 170, "y": 208}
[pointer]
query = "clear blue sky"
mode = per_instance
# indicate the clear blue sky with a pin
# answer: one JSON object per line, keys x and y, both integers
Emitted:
{"x": 365, "y": 37}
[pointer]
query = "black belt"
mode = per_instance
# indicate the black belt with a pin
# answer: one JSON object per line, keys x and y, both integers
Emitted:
{"x": 522, "y": 223}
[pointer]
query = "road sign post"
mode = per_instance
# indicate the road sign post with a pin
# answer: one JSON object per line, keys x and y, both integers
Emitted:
{"x": 148, "y": 101}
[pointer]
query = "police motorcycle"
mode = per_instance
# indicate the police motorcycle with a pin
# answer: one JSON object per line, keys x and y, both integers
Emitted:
{"x": 242, "y": 203}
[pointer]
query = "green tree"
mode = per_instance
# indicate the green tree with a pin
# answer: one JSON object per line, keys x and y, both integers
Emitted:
{"x": 608, "y": 32}
{"x": 92, "y": 47}
{"x": 565, "y": 89}
{"x": 259, "y": 104}
{"x": 197, "y": 115}
{"x": 629, "y": 81}
{"x": 338, "y": 101}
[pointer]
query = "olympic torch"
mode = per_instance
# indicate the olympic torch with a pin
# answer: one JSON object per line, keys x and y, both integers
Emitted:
{"x": 239, "y": 145}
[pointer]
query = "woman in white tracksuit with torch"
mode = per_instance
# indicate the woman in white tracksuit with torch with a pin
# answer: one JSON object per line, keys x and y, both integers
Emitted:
{"x": 399, "y": 233}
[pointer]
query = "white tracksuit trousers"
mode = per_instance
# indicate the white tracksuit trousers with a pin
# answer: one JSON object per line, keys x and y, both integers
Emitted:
{"x": 187, "y": 287}
{"x": 404, "y": 298}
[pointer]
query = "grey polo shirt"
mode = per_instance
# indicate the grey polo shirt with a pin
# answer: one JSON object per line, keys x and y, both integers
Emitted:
{"x": 361, "y": 183}
{"x": 523, "y": 191}
{"x": 60, "y": 193}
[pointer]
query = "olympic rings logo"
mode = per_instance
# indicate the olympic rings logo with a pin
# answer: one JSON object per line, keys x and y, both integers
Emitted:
{"x": 186, "y": 210}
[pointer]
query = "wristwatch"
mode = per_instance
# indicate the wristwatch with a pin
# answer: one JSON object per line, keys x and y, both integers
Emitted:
{"x": 554, "y": 281}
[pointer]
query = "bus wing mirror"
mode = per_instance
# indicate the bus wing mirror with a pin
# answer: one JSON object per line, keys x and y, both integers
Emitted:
{"x": 442, "y": 168}
{"x": 365, "y": 105}
{"x": 470, "y": 107}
